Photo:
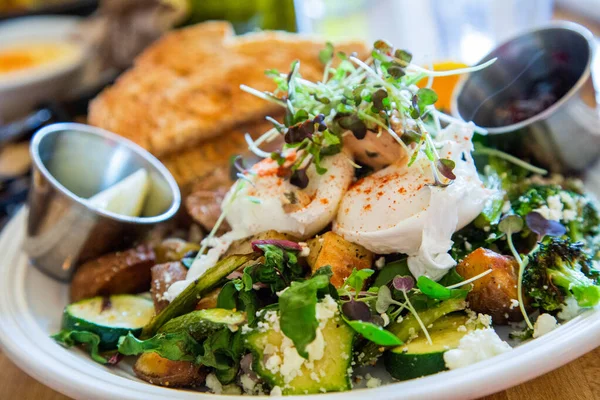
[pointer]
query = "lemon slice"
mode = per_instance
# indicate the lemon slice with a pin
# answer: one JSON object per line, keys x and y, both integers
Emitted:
{"x": 126, "y": 197}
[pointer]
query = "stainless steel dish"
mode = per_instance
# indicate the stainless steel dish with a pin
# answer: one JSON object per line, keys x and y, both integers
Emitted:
{"x": 72, "y": 162}
{"x": 564, "y": 137}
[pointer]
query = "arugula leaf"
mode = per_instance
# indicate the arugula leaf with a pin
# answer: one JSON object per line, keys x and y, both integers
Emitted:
{"x": 238, "y": 294}
{"x": 297, "y": 310}
{"x": 227, "y": 296}
{"x": 90, "y": 340}
{"x": 330, "y": 289}
{"x": 374, "y": 333}
{"x": 178, "y": 346}
{"x": 434, "y": 290}
{"x": 222, "y": 351}
{"x": 278, "y": 270}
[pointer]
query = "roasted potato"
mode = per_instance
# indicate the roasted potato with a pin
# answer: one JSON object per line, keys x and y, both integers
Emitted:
{"x": 115, "y": 273}
{"x": 209, "y": 301}
{"x": 173, "y": 249}
{"x": 492, "y": 293}
{"x": 340, "y": 254}
{"x": 160, "y": 371}
{"x": 244, "y": 246}
{"x": 163, "y": 276}
{"x": 203, "y": 203}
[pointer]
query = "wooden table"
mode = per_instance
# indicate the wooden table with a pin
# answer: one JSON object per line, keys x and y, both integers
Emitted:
{"x": 579, "y": 380}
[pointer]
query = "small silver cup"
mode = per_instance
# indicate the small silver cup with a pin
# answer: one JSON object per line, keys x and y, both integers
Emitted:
{"x": 563, "y": 137}
{"x": 72, "y": 162}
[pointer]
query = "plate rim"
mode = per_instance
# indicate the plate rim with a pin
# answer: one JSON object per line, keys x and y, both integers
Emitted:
{"x": 80, "y": 378}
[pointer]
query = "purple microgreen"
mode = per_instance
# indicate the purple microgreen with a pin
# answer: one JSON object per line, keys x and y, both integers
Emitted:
{"x": 403, "y": 283}
{"x": 115, "y": 359}
{"x": 356, "y": 311}
{"x": 354, "y": 124}
{"x": 378, "y": 98}
{"x": 282, "y": 244}
{"x": 544, "y": 227}
{"x": 446, "y": 168}
{"x": 299, "y": 178}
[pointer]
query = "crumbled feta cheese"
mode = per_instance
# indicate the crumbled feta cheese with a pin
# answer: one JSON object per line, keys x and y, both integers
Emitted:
{"x": 246, "y": 329}
{"x": 373, "y": 382}
{"x": 326, "y": 309}
{"x": 545, "y": 323}
{"x": 477, "y": 345}
{"x": 567, "y": 200}
{"x": 569, "y": 215}
{"x": 461, "y": 328}
{"x": 554, "y": 209}
{"x": 305, "y": 252}
{"x": 276, "y": 391}
{"x": 486, "y": 228}
{"x": 514, "y": 303}
{"x": 273, "y": 363}
{"x": 316, "y": 348}
{"x": 213, "y": 384}
{"x": 468, "y": 246}
{"x": 385, "y": 318}
{"x": 380, "y": 262}
{"x": 492, "y": 236}
{"x": 569, "y": 309}
{"x": 248, "y": 384}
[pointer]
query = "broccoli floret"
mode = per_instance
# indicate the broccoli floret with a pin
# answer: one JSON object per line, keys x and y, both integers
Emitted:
{"x": 559, "y": 268}
{"x": 575, "y": 211}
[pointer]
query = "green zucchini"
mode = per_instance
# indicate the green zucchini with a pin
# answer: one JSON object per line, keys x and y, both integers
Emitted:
{"x": 187, "y": 300}
{"x": 109, "y": 317}
{"x": 331, "y": 373}
{"x": 201, "y": 323}
{"x": 410, "y": 325}
{"x": 419, "y": 358}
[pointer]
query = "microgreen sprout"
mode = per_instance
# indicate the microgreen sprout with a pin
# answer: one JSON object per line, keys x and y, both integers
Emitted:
{"x": 376, "y": 95}
{"x": 483, "y": 150}
{"x": 404, "y": 284}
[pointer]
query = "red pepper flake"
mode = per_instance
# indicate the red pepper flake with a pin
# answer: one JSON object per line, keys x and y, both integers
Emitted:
{"x": 402, "y": 190}
{"x": 379, "y": 194}
{"x": 367, "y": 207}
{"x": 368, "y": 191}
{"x": 324, "y": 201}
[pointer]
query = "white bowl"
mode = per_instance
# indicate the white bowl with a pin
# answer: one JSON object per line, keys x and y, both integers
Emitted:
{"x": 21, "y": 92}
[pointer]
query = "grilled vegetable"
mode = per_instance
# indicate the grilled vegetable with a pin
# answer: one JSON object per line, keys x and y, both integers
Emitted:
{"x": 108, "y": 317}
{"x": 343, "y": 256}
{"x": 409, "y": 326}
{"x": 163, "y": 276}
{"x": 419, "y": 358}
{"x": 158, "y": 370}
{"x": 495, "y": 293}
{"x": 115, "y": 273}
{"x": 188, "y": 299}
{"x": 202, "y": 323}
{"x": 174, "y": 250}
{"x": 330, "y": 373}
{"x": 244, "y": 246}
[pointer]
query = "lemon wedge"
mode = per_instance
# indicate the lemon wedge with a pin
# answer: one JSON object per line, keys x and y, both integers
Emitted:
{"x": 126, "y": 197}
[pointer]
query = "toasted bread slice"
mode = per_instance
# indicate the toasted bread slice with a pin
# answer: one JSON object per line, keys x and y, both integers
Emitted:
{"x": 185, "y": 88}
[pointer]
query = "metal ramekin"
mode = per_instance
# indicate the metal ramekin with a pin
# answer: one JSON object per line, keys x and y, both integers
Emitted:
{"x": 72, "y": 162}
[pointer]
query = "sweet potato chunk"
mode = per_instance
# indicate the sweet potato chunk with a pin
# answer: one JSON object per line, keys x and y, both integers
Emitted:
{"x": 160, "y": 371}
{"x": 115, "y": 273}
{"x": 340, "y": 254}
{"x": 209, "y": 301}
{"x": 492, "y": 294}
{"x": 163, "y": 276}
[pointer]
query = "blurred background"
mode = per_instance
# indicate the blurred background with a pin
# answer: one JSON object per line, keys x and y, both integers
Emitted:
{"x": 91, "y": 42}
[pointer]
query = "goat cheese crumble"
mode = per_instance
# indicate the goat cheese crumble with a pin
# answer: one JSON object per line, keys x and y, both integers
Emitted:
{"x": 545, "y": 323}
{"x": 477, "y": 345}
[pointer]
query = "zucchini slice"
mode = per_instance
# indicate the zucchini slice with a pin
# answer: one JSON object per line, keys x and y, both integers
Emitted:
{"x": 109, "y": 317}
{"x": 331, "y": 373}
{"x": 419, "y": 358}
{"x": 202, "y": 323}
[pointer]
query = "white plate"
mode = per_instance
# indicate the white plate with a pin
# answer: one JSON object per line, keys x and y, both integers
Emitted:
{"x": 31, "y": 305}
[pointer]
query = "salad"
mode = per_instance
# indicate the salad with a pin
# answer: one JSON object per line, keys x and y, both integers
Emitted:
{"x": 382, "y": 231}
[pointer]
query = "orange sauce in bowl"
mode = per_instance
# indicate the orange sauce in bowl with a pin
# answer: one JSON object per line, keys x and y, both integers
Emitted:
{"x": 28, "y": 56}
{"x": 444, "y": 85}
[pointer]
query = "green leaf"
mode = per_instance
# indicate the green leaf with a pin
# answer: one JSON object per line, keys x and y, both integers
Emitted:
{"x": 297, "y": 310}
{"x": 434, "y": 290}
{"x": 404, "y": 56}
{"x": 389, "y": 271}
{"x": 451, "y": 278}
{"x": 90, "y": 340}
{"x": 178, "y": 346}
{"x": 326, "y": 54}
{"x": 357, "y": 279}
{"x": 227, "y": 296}
{"x": 511, "y": 224}
{"x": 222, "y": 351}
{"x": 375, "y": 333}
{"x": 426, "y": 97}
